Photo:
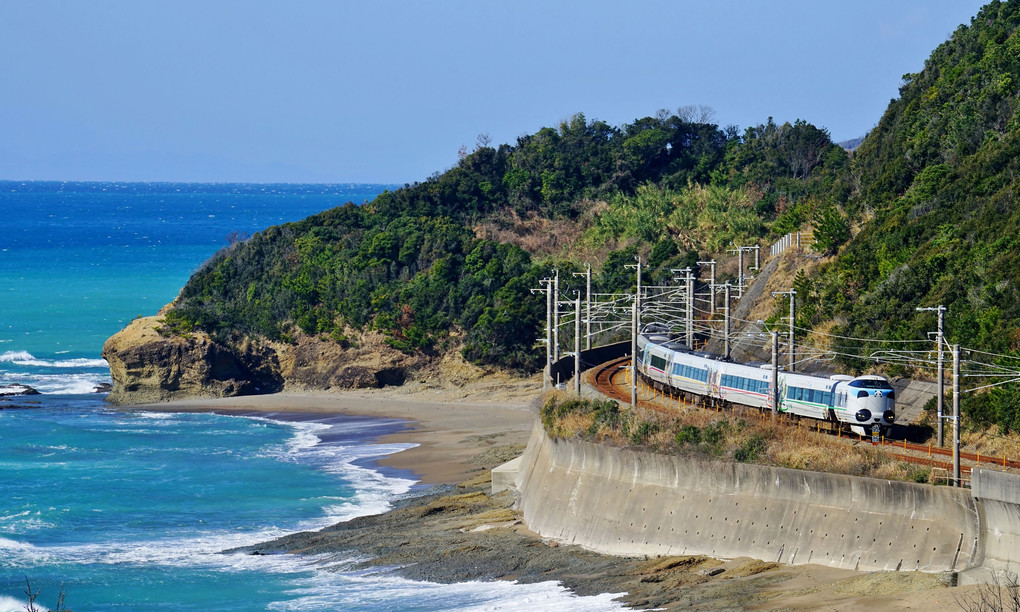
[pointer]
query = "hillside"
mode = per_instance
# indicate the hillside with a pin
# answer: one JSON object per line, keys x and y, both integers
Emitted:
{"x": 923, "y": 213}
{"x": 449, "y": 264}
{"x": 936, "y": 209}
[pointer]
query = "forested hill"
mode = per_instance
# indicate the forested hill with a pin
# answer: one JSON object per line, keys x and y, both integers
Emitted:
{"x": 936, "y": 195}
{"x": 451, "y": 262}
{"x": 923, "y": 213}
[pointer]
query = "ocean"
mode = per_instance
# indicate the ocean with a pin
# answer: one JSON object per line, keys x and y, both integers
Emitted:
{"x": 117, "y": 508}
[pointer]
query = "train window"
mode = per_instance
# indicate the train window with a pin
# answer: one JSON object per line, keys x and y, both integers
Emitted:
{"x": 870, "y": 384}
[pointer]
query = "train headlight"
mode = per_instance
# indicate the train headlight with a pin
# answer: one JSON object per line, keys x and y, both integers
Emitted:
{"x": 863, "y": 415}
{"x": 889, "y": 416}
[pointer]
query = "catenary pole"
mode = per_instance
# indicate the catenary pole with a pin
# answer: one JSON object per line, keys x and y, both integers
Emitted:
{"x": 587, "y": 308}
{"x": 793, "y": 346}
{"x": 633, "y": 355}
{"x": 941, "y": 375}
{"x": 775, "y": 372}
{"x": 940, "y": 372}
{"x": 726, "y": 321}
{"x": 956, "y": 415}
{"x": 690, "y": 309}
{"x": 711, "y": 285}
{"x": 556, "y": 318}
{"x": 577, "y": 345}
{"x": 587, "y": 301}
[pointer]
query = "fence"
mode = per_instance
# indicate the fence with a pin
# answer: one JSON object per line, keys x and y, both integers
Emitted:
{"x": 796, "y": 240}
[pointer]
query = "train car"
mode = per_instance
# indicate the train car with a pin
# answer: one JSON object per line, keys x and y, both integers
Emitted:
{"x": 657, "y": 361}
{"x": 805, "y": 395}
{"x": 864, "y": 403}
{"x": 691, "y": 372}
{"x": 747, "y": 385}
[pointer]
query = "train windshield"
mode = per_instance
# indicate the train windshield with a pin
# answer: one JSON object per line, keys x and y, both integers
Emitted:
{"x": 870, "y": 384}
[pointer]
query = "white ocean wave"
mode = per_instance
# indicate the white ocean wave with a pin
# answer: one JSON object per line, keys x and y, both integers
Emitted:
{"x": 24, "y": 358}
{"x": 378, "y": 591}
{"x": 58, "y": 384}
{"x": 10, "y": 604}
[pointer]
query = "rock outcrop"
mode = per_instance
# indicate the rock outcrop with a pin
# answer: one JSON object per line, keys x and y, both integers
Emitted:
{"x": 149, "y": 367}
{"x": 16, "y": 389}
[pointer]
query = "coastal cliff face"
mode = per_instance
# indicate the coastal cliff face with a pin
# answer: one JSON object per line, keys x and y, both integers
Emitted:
{"x": 148, "y": 367}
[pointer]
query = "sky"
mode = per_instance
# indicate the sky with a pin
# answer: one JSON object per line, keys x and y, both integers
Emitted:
{"x": 385, "y": 91}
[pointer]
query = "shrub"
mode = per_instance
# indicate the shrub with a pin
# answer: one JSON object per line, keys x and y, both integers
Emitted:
{"x": 751, "y": 449}
{"x": 688, "y": 434}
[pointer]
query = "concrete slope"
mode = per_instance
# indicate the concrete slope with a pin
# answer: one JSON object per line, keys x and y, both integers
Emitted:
{"x": 637, "y": 503}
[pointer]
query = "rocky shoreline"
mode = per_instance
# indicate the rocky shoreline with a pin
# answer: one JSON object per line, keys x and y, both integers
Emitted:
{"x": 456, "y": 533}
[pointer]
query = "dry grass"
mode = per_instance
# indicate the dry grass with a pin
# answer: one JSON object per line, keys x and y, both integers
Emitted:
{"x": 753, "y": 438}
{"x": 537, "y": 235}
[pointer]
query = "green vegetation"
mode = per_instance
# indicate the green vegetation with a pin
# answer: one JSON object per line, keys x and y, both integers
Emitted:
{"x": 923, "y": 214}
{"x": 408, "y": 265}
{"x": 935, "y": 203}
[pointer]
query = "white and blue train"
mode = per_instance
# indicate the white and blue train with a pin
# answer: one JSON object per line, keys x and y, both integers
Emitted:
{"x": 864, "y": 403}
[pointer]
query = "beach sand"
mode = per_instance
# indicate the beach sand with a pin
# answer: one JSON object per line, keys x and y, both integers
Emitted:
{"x": 454, "y": 427}
{"x": 448, "y": 429}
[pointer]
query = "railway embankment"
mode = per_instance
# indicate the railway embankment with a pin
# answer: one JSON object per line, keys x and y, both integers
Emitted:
{"x": 635, "y": 503}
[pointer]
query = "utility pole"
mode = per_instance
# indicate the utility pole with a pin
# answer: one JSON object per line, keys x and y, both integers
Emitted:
{"x": 775, "y": 372}
{"x": 740, "y": 273}
{"x": 577, "y": 345}
{"x": 757, "y": 257}
{"x": 726, "y": 321}
{"x": 637, "y": 296}
{"x": 688, "y": 278}
{"x": 548, "y": 327}
{"x": 556, "y": 319}
{"x": 587, "y": 302}
{"x": 956, "y": 415}
{"x": 690, "y": 309}
{"x": 633, "y": 355}
{"x": 940, "y": 309}
{"x": 793, "y": 312}
{"x": 711, "y": 285}
{"x": 739, "y": 250}
{"x": 587, "y": 307}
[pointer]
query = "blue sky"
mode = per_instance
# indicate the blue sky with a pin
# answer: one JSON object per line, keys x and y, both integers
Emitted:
{"x": 386, "y": 91}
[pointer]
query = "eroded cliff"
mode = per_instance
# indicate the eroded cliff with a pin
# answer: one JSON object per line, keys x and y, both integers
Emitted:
{"x": 149, "y": 366}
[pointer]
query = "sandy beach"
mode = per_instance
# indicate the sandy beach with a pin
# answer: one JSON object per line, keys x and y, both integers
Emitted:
{"x": 448, "y": 427}
{"x": 453, "y": 428}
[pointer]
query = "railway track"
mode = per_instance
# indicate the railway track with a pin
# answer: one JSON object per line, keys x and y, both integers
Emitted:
{"x": 605, "y": 378}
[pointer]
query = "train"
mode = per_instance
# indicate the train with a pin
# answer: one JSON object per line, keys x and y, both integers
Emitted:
{"x": 864, "y": 404}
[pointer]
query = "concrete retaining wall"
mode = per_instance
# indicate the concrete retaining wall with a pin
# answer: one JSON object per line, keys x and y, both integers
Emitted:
{"x": 633, "y": 503}
{"x": 998, "y": 497}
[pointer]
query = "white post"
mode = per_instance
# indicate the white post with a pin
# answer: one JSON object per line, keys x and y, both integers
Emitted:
{"x": 577, "y": 345}
{"x": 956, "y": 415}
{"x": 556, "y": 319}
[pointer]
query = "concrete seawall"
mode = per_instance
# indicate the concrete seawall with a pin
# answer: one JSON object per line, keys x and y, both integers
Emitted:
{"x": 637, "y": 503}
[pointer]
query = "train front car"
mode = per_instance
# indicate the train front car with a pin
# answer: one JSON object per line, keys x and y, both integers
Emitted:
{"x": 872, "y": 403}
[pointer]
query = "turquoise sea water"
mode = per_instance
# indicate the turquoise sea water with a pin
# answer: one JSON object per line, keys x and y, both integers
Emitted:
{"x": 131, "y": 510}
